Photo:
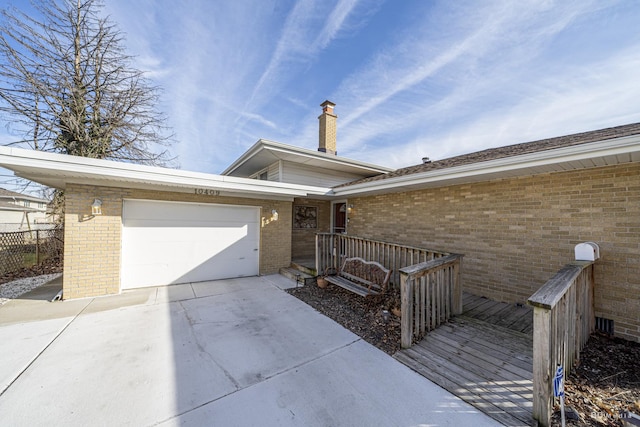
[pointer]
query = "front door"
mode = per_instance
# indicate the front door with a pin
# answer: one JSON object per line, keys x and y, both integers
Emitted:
{"x": 340, "y": 218}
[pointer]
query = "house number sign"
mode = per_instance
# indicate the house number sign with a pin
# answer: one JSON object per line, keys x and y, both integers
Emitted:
{"x": 207, "y": 192}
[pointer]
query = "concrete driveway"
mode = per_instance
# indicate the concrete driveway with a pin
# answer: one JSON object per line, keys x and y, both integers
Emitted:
{"x": 230, "y": 352}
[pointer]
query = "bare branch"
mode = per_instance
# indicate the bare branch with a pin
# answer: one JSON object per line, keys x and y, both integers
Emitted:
{"x": 67, "y": 86}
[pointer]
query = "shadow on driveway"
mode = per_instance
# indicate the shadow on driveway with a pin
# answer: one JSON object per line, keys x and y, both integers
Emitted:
{"x": 229, "y": 352}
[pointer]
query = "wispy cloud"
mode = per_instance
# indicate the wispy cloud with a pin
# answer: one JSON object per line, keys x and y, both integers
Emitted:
{"x": 605, "y": 95}
{"x": 334, "y": 24}
{"x": 297, "y": 43}
{"x": 410, "y": 79}
{"x": 211, "y": 51}
{"x": 478, "y": 35}
{"x": 479, "y": 76}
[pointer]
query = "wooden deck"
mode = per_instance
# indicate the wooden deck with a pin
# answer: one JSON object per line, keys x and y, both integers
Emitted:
{"x": 484, "y": 356}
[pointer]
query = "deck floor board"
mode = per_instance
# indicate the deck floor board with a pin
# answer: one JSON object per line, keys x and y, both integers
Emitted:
{"x": 484, "y": 356}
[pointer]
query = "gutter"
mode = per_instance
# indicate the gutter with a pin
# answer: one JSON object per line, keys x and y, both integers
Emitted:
{"x": 17, "y": 159}
{"x": 278, "y": 147}
{"x": 474, "y": 172}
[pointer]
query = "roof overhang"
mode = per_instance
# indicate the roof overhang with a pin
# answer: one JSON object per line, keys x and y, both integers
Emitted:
{"x": 264, "y": 153}
{"x": 59, "y": 170}
{"x": 595, "y": 154}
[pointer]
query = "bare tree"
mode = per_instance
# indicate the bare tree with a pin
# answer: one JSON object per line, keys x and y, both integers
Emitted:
{"x": 66, "y": 85}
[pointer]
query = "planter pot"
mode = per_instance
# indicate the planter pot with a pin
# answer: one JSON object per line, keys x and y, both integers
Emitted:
{"x": 322, "y": 283}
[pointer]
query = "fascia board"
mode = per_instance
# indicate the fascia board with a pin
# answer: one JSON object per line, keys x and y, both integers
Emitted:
{"x": 303, "y": 152}
{"x": 252, "y": 151}
{"x": 624, "y": 145}
{"x": 13, "y": 158}
{"x": 278, "y": 147}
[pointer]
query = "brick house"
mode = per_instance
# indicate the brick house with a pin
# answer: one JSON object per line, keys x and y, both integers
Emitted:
{"x": 516, "y": 212}
{"x": 267, "y": 160}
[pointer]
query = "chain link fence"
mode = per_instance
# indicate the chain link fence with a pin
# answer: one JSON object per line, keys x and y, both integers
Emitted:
{"x": 20, "y": 249}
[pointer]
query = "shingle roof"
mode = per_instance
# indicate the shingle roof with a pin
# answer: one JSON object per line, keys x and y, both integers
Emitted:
{"x": 509, "y": 151}
{"x": 8, "y": 193}
{"x": 4, "y": 194}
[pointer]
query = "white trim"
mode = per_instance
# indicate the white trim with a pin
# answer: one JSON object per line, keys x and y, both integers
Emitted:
{"x": 173, "y": 202}
{"x": 266, "y": 145}
{"x": 59, "y": 169}
{"x": 502, "y": 167}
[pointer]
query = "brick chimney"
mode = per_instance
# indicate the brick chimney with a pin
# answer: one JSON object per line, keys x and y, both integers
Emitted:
{"x": 327, "y": 142}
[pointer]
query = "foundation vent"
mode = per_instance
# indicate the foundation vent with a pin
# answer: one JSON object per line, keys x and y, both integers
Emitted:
{"x": 604, "y": 325}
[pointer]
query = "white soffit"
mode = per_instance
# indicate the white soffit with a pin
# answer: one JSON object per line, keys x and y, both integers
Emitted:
{"x": 58, "y": 170}
{"x": 582, "y": 156}
{"x": 263, "y": 153}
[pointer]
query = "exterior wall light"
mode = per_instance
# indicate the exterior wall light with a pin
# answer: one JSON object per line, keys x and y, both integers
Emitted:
{"x": 96, "y": 207}
{"x": 274, "y": 215}
{"x": 349, "y": 208}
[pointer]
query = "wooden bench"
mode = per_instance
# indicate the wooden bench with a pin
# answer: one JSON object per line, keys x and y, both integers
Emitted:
{"x": 361, "y": 277}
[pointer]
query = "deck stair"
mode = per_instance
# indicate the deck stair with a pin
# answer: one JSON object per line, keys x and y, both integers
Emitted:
{"x": 484, "y": 356}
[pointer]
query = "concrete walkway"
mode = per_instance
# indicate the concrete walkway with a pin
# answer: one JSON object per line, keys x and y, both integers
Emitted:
{"x": 230, "y": 352}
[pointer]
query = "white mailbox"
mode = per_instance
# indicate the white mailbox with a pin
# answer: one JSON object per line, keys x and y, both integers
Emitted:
{"x": 587, "y": 251}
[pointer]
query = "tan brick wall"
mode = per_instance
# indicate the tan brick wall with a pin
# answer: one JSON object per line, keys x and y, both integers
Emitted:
{"x": 517, "y": 233}
{"x": 92, "y": 244}
{"x": 275, "y": 237}
{"x": 303, "y": 241}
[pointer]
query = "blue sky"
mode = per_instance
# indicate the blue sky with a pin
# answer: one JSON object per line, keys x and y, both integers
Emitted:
{"x": 410, "y": 78}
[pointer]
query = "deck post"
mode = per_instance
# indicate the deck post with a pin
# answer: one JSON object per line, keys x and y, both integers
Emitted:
{"x": 406, "y": 321}
{"x": 318, "y": 250}
{"x": 562, "y": 322}
{"x": 542, "y": 369}
{"x": 456, "y": 304}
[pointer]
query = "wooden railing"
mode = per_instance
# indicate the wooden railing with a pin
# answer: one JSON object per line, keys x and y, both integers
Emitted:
{"x": 431, "y": 293}
{"x": 332, "y": 249}
{"x": 563, "y": 319}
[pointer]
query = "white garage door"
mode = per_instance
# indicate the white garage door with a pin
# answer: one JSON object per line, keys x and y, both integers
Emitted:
{"x": 167, "y": 242}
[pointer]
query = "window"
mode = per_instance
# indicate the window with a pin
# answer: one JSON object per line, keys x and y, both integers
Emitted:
{"x": 263, "y": 175}
{"x": 26, "y": 203}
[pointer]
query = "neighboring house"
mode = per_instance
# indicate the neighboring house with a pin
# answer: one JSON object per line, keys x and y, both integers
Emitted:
{"x": 516, "y": 213}
{"x": 22, "y": 212}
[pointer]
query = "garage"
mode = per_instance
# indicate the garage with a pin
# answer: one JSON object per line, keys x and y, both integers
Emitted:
{"x": 167, "y": 243}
